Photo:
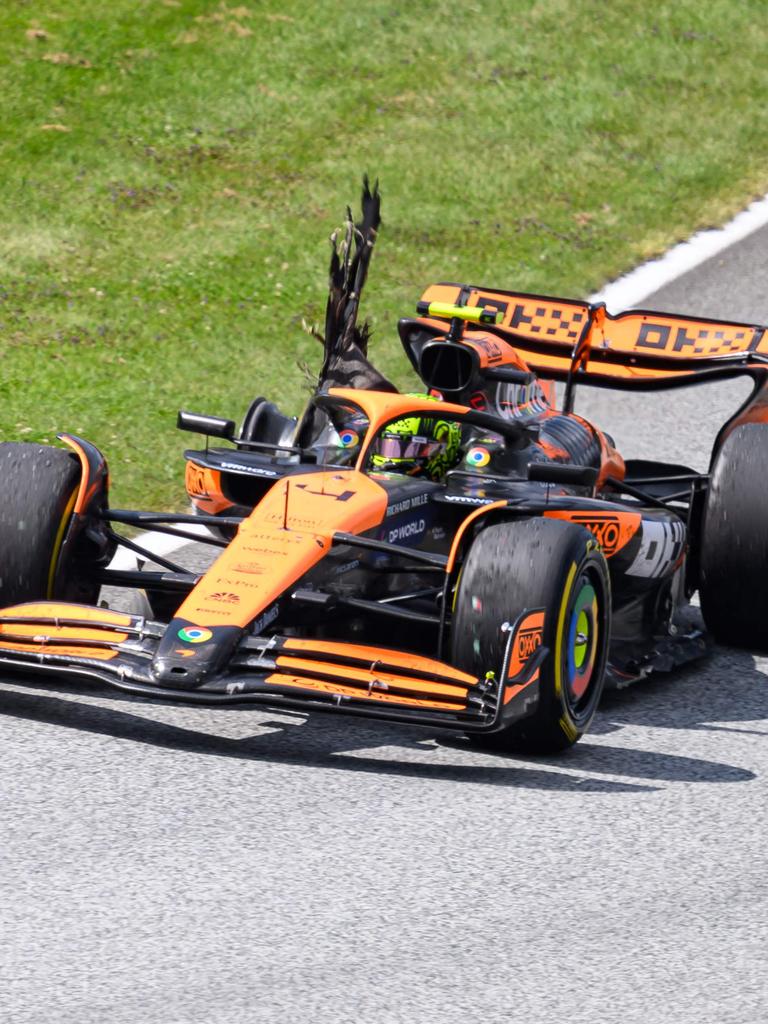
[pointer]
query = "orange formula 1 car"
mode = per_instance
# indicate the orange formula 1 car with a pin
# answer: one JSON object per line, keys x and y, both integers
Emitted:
{"x": 471, "y": 558}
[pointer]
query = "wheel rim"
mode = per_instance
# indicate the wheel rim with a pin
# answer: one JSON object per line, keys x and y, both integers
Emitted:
{"x": 582, "y": 645}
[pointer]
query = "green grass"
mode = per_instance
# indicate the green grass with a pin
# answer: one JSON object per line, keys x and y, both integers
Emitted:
{"x": 170, "y": 171}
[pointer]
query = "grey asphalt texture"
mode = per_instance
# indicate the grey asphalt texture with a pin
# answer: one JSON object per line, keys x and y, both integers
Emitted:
{"x": 166, "y": 865}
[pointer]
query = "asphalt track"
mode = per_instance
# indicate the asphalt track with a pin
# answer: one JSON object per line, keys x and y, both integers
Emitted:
{"x": 183, "y": 866}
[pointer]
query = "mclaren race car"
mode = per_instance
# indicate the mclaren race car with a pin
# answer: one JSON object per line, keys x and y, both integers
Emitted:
{"x": 474, "y": 557}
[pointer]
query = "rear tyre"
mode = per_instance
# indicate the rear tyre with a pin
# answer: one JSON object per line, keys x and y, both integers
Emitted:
{"x": 538, "y": 563}
{"x": 733, "y": 582}
{"x": 40, "y": 485}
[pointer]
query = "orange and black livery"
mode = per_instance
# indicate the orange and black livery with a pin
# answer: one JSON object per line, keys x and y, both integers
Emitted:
{"x": 472, "y": 557}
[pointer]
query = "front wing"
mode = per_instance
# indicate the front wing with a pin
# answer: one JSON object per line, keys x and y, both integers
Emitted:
{"x": 84, "y": 643}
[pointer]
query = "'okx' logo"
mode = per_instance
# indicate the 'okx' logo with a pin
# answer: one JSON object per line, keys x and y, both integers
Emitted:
{"x": 605, "y": 528}
{"x": 527, "y": 642}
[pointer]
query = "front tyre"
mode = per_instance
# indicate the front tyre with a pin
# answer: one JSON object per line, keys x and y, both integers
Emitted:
{"x": 40, "y": 486}
{"x": 538, "y": 563}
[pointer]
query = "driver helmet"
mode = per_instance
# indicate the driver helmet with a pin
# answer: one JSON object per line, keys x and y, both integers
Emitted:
{"x": 418, "y": 446}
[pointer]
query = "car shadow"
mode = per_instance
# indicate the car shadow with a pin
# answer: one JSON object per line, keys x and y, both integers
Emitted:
{"x": 708, "y": 695}
{"x": 685, "y": 700}
{"x": 705, "y": 696}
{"x": 317, "y": 742}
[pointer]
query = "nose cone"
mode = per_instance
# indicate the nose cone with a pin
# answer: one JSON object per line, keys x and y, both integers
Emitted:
{"x": 190, "y": 655}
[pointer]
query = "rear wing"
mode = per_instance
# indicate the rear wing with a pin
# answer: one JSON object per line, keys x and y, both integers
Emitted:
{"x": 563, "y": 339}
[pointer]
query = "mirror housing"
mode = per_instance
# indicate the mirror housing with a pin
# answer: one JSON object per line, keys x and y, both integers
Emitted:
{"x": 211, "y": 426}
{"x": 559, "y": 473}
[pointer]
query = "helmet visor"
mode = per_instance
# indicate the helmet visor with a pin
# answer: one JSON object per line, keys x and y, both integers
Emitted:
{"x": 395, "y": 446}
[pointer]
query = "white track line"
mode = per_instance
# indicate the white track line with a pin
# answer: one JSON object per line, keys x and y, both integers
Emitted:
{"x": 623, "y": 293}
{"x": 638, "y": 284}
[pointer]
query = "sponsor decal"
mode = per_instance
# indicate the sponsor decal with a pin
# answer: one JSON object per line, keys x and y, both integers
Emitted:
{"x": 265, "y": 619}
{"x": 226, "y": 596}
{"x": 184, "y": 652}
{"x": 349, "y": 438}
{"x": 348, "y": 567}
{"x": 561, "y": 320}
{"x": 491, "y": 348}
{"x": 228, "y": 581}
{"x": 606, "y": 530}
{"x": 285, "y": 537}
{"x": 254, "y": 470}
{"x": 478, "y": 457}
{"x": 528, "y": 640}
{"x": 195, "y": 481}
{"x": 407, "y": 504}
{"x": 612, "y": 531}
{"x": 251, "y": 568}
{"x": 194, "y": 635}
{"x": 521, "y": 399}
{"x": 525, "y": 643}
{"x": 412, "y": 529}
{"x": 208, "y": 609}
{"x": 464, "y": 499}
{"x": 260, "y": 550}
{"x": 297, "y": 522}
{"x": 661, "y": 545}
{"x": 491, "y": 304}
{"x": 693, "y": 338}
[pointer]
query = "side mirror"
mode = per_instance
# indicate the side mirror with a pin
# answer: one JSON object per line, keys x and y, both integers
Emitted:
{"x": 559, "y": 473}
{"x": 211, "y": 426}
